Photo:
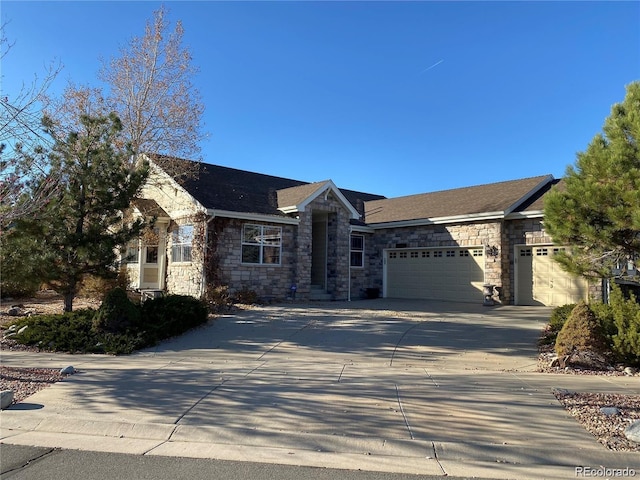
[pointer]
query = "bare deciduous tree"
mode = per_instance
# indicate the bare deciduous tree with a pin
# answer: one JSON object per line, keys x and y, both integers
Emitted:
{"x": 151, "y": 90}
{"x": 24, "y": 145}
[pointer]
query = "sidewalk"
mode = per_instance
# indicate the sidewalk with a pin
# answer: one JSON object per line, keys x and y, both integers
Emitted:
{"x": 390, "y": 386}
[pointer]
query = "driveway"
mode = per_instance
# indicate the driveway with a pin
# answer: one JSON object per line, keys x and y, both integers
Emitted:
{"x": 400, "y": 386}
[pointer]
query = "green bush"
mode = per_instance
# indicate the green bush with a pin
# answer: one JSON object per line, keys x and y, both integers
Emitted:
{"x": 626, "y": 319}
{"x": 582, "y": 332}
{"x": 559, "y": 316}
{"x": 172, "y": 315}
{"x": 117, "y": 314}
{"x": 76, "y": 332}
{"x": 69, "y": 332}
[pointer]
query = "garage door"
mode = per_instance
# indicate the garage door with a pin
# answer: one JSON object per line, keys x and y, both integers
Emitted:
{"x": 454, "y": 274}
{"x": 541, "y": 280}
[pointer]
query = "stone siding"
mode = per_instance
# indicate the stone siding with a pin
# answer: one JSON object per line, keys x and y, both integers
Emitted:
{"x": 453, "y": 235}
{"x": 366, "y": 277}
{"x": 268, "y": 281}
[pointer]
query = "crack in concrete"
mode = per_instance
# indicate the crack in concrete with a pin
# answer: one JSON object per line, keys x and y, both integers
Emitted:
{"x": 30, "y": 461}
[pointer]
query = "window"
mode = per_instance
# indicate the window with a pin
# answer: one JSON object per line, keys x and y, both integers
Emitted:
{"x": 181, "y": 243}
{"x": 152, "y": 255}
{"x": 357, "y": 250}
{"x": 261, "y": 244}
{"x": 131, "y": 253}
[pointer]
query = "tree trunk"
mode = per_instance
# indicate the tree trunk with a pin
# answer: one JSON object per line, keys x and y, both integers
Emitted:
{"x": 68, "y": 301}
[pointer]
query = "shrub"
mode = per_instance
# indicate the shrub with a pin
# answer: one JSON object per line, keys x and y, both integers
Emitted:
{"x": 18, "y": 289}
{"x": 117, "y": 314}
{"x": 582, "y": 333}
{"x": 98, "y": 287}
{"x": 559, "y": 316}
{"x": 172, "y": 315}
{"x": 246, "y": 296}
{"x": 626, "y": 320}
{"x": 68, "y": 332}
{"x": 218, "y": 298}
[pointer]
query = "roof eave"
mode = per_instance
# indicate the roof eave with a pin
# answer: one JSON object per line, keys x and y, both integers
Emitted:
{"x": 439, "y": 220}
{"x": 256, "y": 217}
{"x": 531, "y": 193}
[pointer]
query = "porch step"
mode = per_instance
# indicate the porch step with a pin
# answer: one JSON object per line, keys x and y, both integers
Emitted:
{"x": 319, "y": 294}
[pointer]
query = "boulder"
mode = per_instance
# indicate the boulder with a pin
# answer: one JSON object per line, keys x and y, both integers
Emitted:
{"x": 6, "y": 399}
{"x": 632, "y": 432}
{"x": 610, "y": 410}
{"x": 68, "y": 370}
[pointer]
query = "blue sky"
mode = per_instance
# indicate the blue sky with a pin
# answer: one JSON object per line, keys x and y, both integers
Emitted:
{"x": 393, "y": 98}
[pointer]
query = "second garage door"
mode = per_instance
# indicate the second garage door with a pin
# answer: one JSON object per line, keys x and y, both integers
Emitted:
{"x": 541, "y": 281}
{"x": 452, "y": 274}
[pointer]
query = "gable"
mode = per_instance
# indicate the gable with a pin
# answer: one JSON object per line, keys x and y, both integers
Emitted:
{"x": 296, "y": 199}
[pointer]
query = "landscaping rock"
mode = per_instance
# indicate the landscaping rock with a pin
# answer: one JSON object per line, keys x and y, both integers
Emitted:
{"x": 610, "y": 410}
{"x": 14, "y": 311}
{"x": 68, "y": 370}
{"x": 632, "y": 432}
{"x": 6, "y": 399}
{"x": 630, "y": 370}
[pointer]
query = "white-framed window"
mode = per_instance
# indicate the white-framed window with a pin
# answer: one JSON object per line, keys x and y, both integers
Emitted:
{"x": 131, "y": 252}
{"x": 261, "y": 244}
{"x": 357, "y": 250}
{"x": 182, "y": 243}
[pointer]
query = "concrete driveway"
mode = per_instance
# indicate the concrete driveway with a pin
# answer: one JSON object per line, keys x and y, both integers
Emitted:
{"x": 399, "y": 386}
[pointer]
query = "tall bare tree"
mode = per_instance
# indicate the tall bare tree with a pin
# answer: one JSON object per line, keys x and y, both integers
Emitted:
{"x": 151, "y": 90}
{"x": 23, "y": 145}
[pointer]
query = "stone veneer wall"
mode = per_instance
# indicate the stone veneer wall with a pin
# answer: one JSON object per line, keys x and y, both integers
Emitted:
{"x": 185, "y": 278}
{"x": 338, "y": 243}
{"x": 365, "y": 277}
{"x": 268, "y": 281}
{"x": 454, "y": 235}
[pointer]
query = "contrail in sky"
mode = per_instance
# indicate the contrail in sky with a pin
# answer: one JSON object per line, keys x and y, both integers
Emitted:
{"x": 432, "y": 66}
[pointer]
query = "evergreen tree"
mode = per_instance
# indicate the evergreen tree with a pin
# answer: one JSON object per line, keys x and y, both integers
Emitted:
{"x": 81, "y": 229}
{"x": 598, "y": 210}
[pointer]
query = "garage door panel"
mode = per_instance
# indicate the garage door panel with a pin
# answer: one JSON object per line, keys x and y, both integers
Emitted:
{"x": 435, "y": 274}
{"x": 541, "y": 280}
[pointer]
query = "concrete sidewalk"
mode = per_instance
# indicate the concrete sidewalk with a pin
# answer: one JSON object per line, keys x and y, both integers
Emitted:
{"x": 399, "y": 386}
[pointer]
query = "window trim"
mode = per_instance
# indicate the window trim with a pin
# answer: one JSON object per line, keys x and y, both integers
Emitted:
{"x": 184, "y": 246}
{"x": 359, "y": 251}
{"x": 262, "y": 246}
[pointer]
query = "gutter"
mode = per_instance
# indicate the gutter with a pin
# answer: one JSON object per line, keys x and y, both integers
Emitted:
{"x": 258, "y": 217}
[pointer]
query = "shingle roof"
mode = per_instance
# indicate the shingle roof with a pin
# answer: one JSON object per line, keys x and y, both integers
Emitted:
{"x": 536, "y": 203}
{"x": 149, "y": 208}
{"x": 469, "y": 201}
{"x": 295, "y": 195}
{"x": 225, "y": 188}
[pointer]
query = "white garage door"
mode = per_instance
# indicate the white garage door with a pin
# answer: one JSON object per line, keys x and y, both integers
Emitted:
{"x": 454, "y": 274}
{"x": 541, "y": 280}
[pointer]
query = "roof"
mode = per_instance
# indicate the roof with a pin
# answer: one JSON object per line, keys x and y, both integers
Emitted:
{"x": 231, "y": 189}
{"x": 536, "y": 203}
{"x": 149, "y": 208}
{"x": 495, "y": 199}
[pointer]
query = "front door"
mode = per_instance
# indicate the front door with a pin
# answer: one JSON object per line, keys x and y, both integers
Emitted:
{"x": 152, "y": 260}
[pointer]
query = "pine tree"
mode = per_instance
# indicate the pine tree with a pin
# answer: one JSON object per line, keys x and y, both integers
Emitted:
{"x": 598, "y": 210}
{"x": 80, "y": 231}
